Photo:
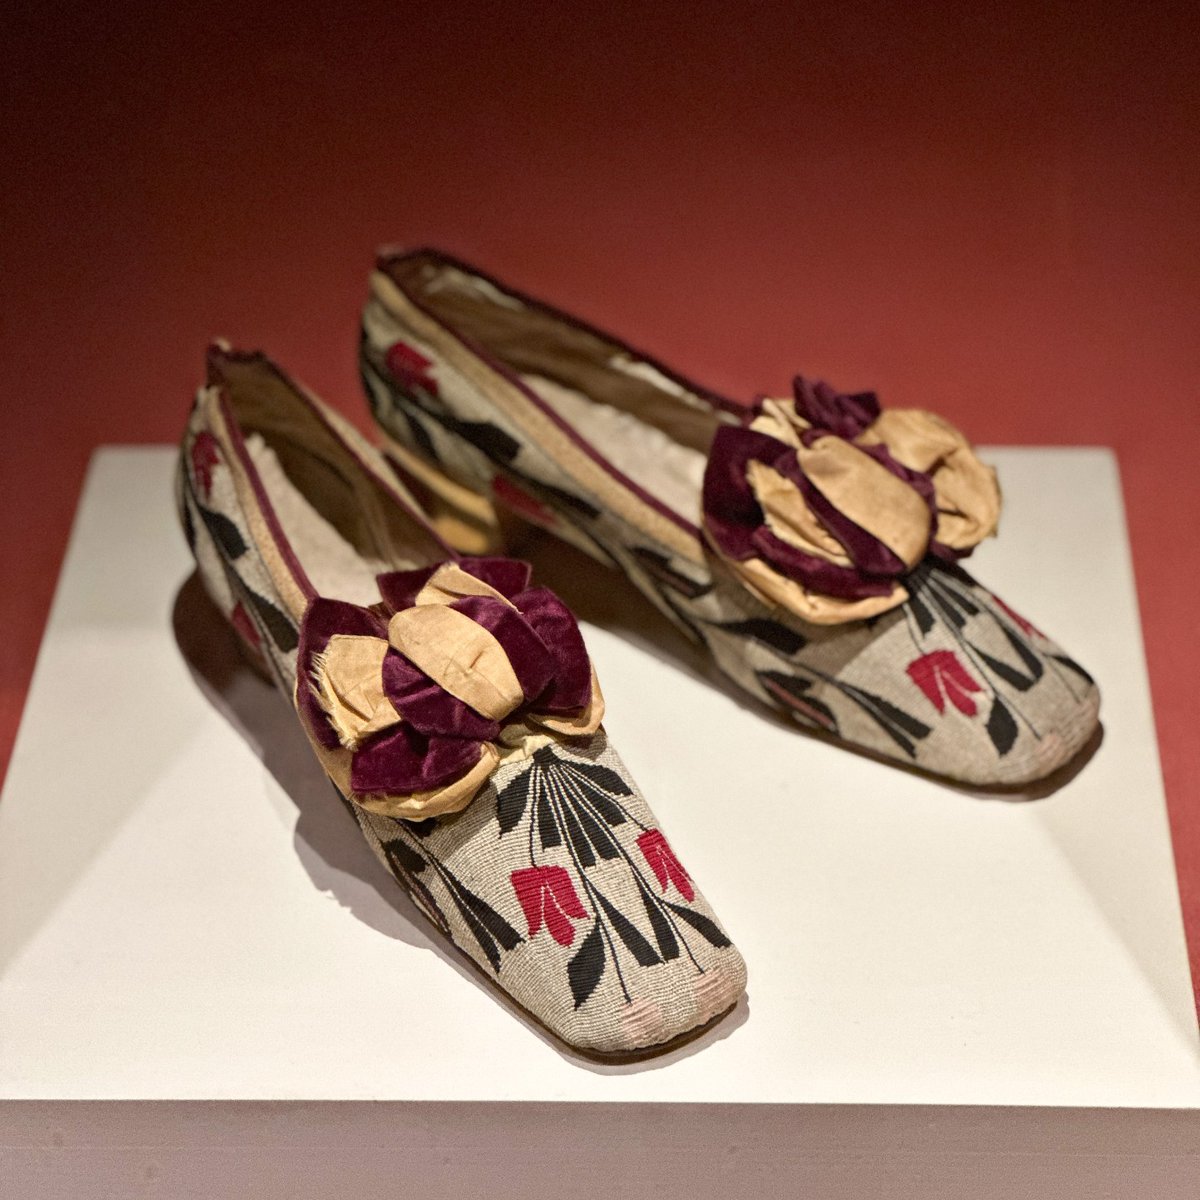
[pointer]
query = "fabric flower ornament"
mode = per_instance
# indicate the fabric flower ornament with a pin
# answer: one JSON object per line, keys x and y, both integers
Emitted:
{"x": 822, "y": 504}
{"x": 413, "y": 703}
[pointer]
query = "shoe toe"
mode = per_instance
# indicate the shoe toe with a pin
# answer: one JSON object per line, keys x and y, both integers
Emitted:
{"x": 955, "y": 683}
{"x": 558, "y": 883}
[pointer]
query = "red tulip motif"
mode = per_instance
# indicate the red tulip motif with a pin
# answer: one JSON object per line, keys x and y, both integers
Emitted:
{"x": 204, "y": 458}
{"x": 547, "y": 897}
{"x": 942, "y": 677}
{"x": 662, "y": 861}
{"x": 410, "y": 368}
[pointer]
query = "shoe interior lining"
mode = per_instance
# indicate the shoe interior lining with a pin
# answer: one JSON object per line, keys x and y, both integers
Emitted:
{"x": 343, "y": 526}
{"x": 649, "y": 426}
{"x": 333, "y": 565}
{"x": 671, "y": 472}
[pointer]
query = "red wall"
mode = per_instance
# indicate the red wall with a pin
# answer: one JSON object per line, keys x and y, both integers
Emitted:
{"x": 995, "y": 215}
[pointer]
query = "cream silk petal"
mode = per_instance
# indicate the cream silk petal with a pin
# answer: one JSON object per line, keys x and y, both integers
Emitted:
{"x": 968, "y": 500}
{"x": 788, "y": 516}
{"x": 866, "y": 492}
{"x": 966, "y": 490}
{"x": 348, "y": 681}
{"x": 450, "y": 582}
{"x": 916, "y": 438}
{"x": 779, "y": 419}
{"x": 459, "y": 655}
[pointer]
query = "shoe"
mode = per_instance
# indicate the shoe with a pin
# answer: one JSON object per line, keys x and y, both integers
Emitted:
{"x": 454, "y": 707}
{"x": 812, "y": 543}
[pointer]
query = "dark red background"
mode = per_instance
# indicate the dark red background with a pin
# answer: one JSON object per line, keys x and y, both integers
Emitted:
{"x": 992, "y": 213}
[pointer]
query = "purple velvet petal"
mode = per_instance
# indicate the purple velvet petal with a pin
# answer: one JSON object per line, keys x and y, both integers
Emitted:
{"x": 818, "y": 574}
{"x": 428, "y": 707}
{"x": 731, "y": 511}
{"x": 571, "y": 687}
{"x": 530, "y": 657}
{"x": 402, "y": 760}
{"x": 399, "y": 588}
{"x": 823, "y": 407}
{"x": 322, "y": 619}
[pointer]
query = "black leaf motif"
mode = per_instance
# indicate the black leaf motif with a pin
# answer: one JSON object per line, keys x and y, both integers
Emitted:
{"x": 576, "y": 504}
{"x": 548, "y": 829}
{"x": 921, "y": 613}
{"x": 947, "y": 608}
{"x": 367, "y": 375}
{"x": 609, "y": 809}
{"x": 423, "y": 828}
{"x": 403, "y": 858}
{"x": 580, "y": 844}
{"x": 956, "y": 584}
{"x": 483, "y": 435}
{"x": 1001, "y": 727}
{"x": 603, "y": 777}
{"x": 224, "y": 532}
{"x": 792, "y": 691}
{"x": 283, "y": 632}
{"x": 1072, "y": 665}
{"x": 664, "y": 935}
{"x": 487, "y": 926}
{"x": 903, "y": 728}
{"x": 769, "y": 633}
{"x": 599, "y": 837}
{"x": 486, "y": 942}
{"x": 1033, "y": 664}
{"x": 512, "y": 801}
{"x": 420, "y": 435}
{"x": 659, "y": 567}
{"x": 189, "y": 528}
{"x": 629, "y": 934}
{"x": 701, "y": 924}
{"x": 495, "y": 924}
{"x": 1010, "y": 675}
{"x": 586, "y": 966}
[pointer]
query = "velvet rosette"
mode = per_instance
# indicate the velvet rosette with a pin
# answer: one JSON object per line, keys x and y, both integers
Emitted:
{"x": 823, "y": 503}
{"x": 412, "y": 703}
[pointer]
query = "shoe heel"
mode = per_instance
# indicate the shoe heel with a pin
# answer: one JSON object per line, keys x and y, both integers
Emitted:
{"x": 463, "y": 518}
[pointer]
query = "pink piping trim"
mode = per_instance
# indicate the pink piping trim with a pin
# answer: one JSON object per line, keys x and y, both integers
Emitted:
{"x": 264, "y": 503}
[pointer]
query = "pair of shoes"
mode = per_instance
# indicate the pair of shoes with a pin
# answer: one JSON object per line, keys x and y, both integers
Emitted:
{"x": 813, "y": 544}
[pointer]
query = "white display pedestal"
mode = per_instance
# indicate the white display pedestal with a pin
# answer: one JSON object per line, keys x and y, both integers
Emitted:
{"x": 196, "y": 945}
